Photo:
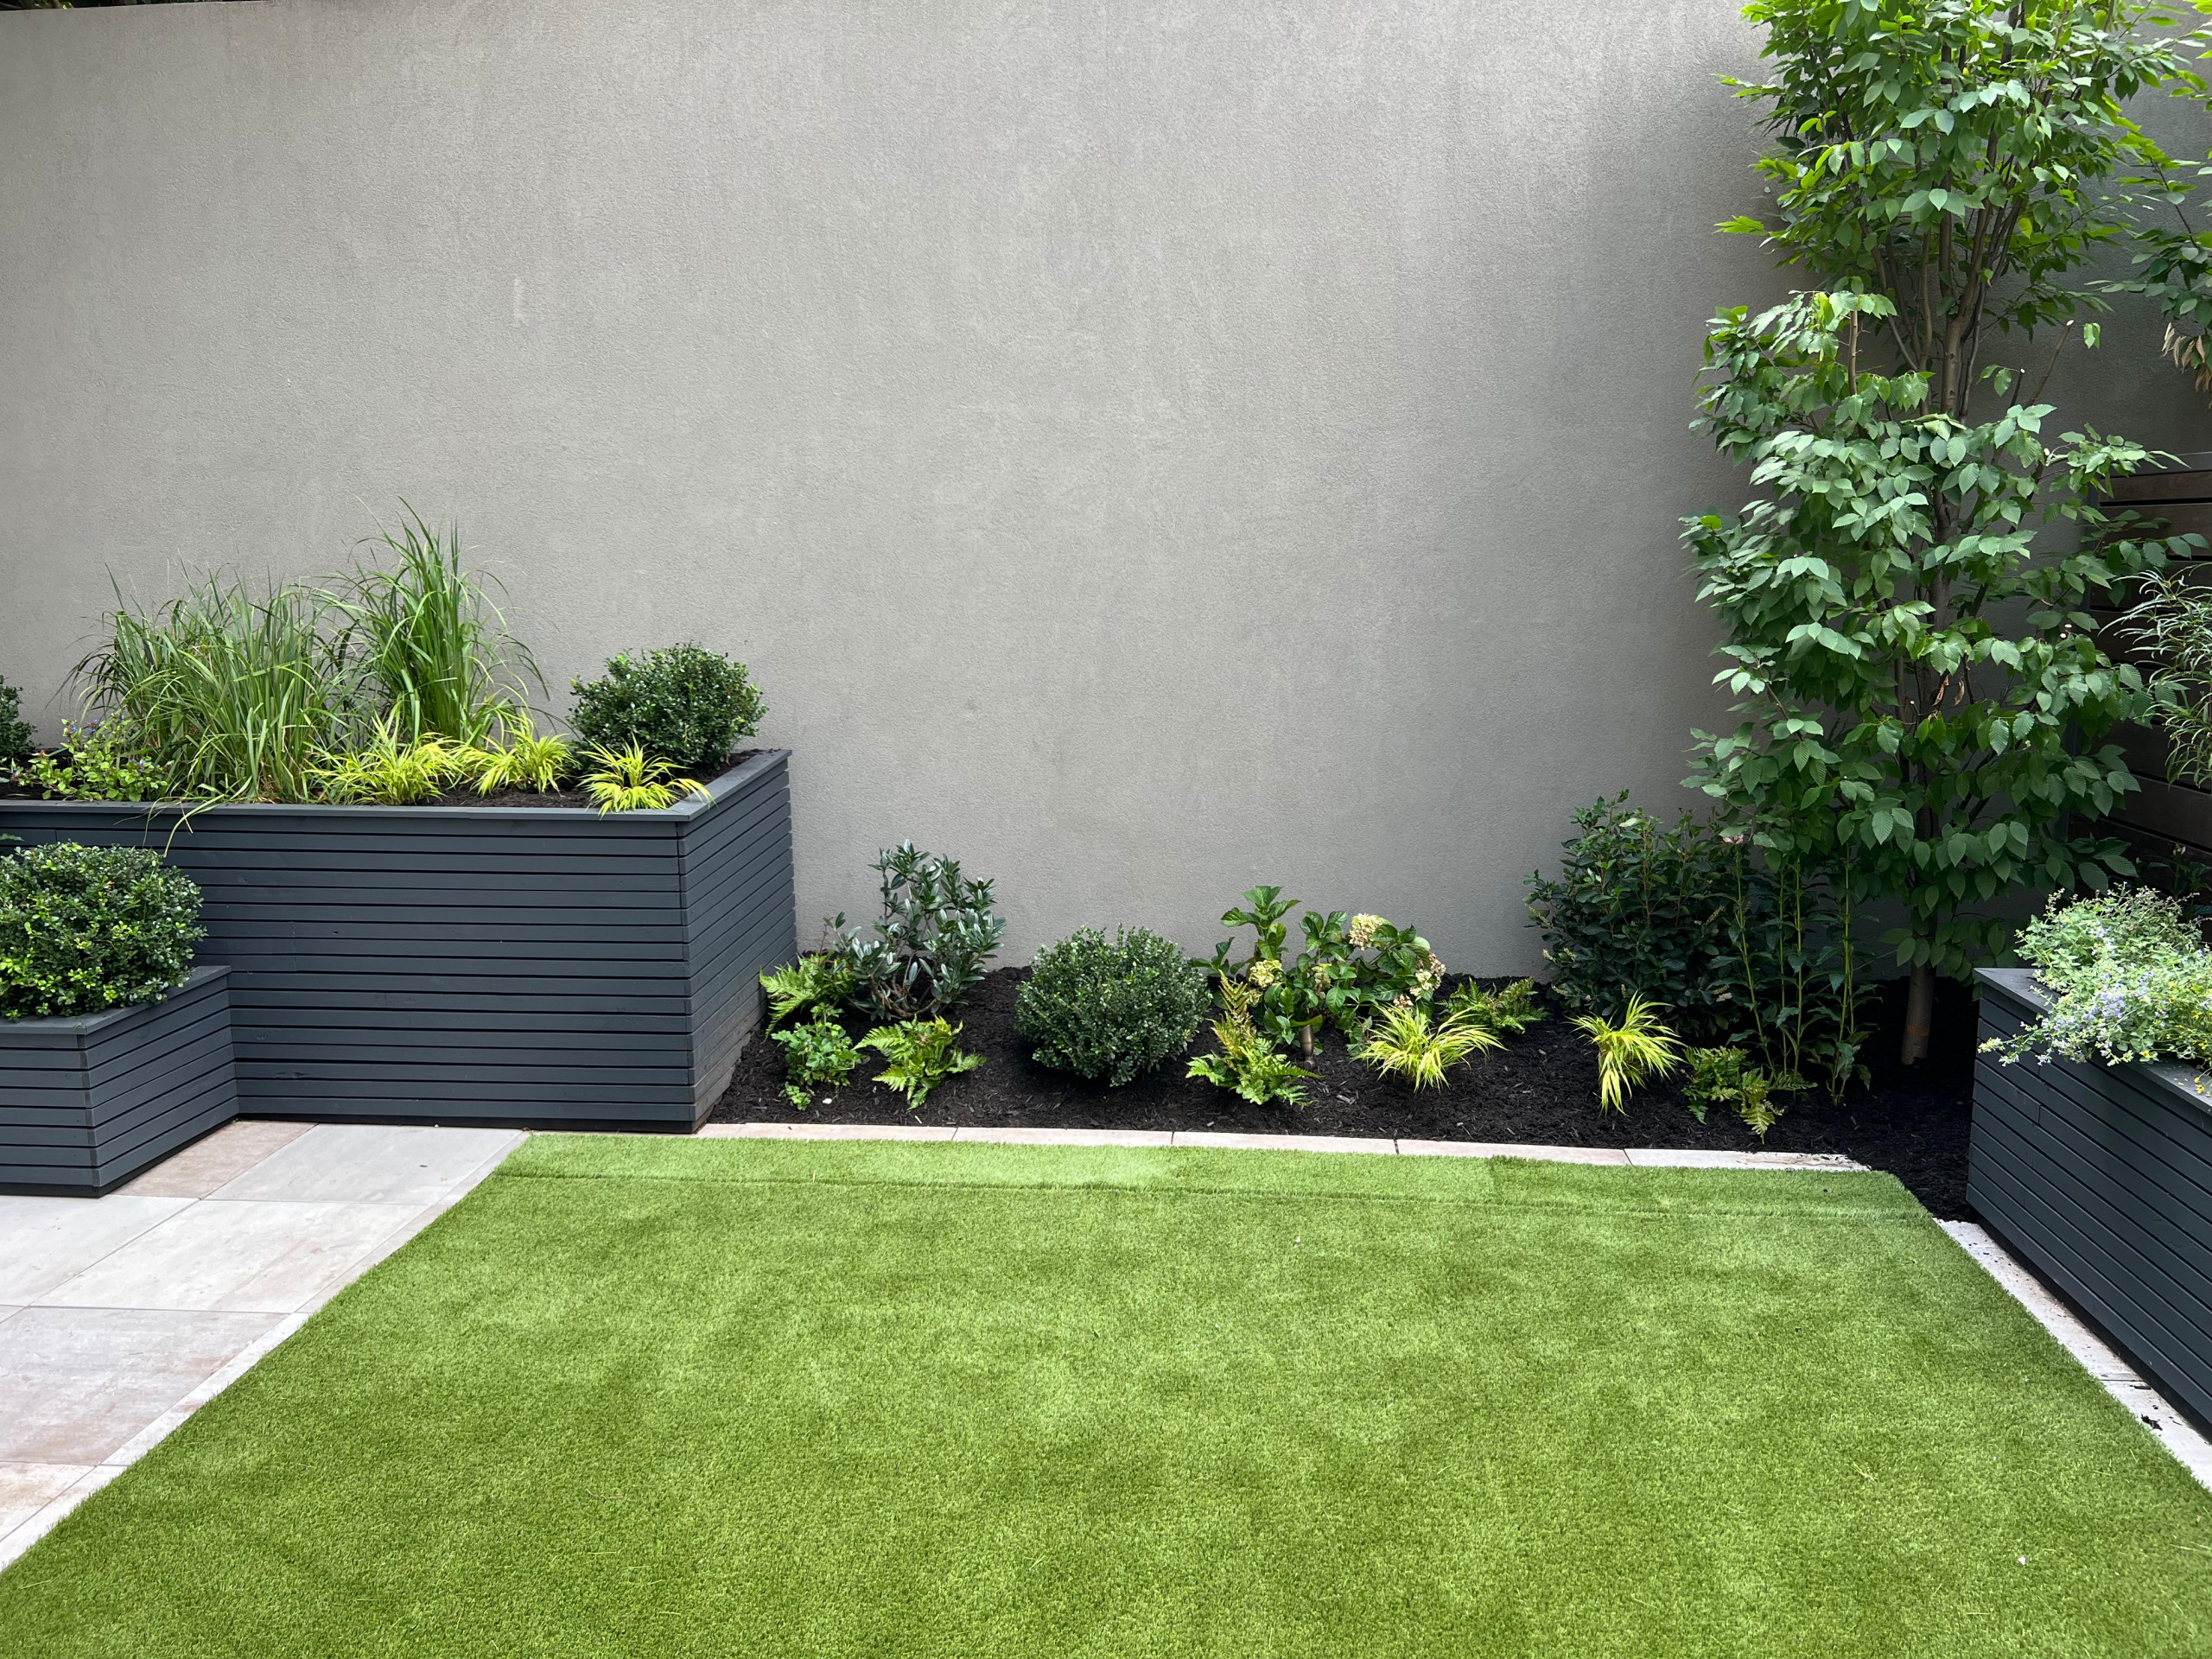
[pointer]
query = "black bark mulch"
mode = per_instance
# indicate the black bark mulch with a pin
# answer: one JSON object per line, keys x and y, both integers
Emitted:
{"x": 1541, "y": 1089}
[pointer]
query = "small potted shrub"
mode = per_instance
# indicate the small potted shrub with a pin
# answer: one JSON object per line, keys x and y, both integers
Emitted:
{"x": 114, "y": 1049}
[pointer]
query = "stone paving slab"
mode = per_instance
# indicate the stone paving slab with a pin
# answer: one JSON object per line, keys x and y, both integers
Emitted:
{"x": 78, "y": 1382}
{"x": 223, "y": 1156}
{"x": 262, "y": 1257}
{"x": 371, "y": 1163}
{"x": 48, "y": 1241}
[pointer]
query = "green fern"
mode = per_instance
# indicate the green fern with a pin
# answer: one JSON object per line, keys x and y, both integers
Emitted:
{"x": 819, "y": 981}
{"x": 922, "y": 1055}
{"x": 1247, "y": 1062}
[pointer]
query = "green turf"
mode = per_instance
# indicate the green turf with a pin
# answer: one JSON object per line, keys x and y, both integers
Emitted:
{"x": 644, "y": 1397}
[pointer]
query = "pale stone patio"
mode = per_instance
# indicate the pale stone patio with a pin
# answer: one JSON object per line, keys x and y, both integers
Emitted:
{"x": 120, "y": 1316}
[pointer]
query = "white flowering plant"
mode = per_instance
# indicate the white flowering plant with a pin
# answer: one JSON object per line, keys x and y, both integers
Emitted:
{"x": 1350, "y": 968}
{"x": 2129, "y": 978}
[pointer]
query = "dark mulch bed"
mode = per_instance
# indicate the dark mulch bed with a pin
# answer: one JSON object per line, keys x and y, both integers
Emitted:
{"x": 464, "y": 795}
{"x": 1540, "y": 1090}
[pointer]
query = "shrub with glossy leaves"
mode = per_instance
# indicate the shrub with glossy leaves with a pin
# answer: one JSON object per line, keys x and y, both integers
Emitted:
{"x": 87, "y": 928}
{"x": 1110, "y": 1009}
{"x": 684, "y": 704}
{"x": 16, "y": 734}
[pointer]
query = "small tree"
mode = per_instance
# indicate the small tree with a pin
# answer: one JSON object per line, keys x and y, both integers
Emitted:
{"x": 1921, "y": 688}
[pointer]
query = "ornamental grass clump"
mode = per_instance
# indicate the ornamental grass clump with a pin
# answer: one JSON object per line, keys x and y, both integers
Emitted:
{"x": 1111, "y": 1010}
{"x": 87, "y": 928}
{"x": 2129, "y": 978}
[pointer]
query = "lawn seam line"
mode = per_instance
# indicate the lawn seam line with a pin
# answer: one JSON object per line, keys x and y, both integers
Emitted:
{"x": 1198, "y": 1191}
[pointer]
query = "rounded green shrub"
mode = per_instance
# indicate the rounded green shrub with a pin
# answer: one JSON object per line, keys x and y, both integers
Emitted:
{"x": 15, "y": 734}
{"x": 87, "y": 928}
{"x": 684, "y": 704}
{"x": 1110, "y": 1009}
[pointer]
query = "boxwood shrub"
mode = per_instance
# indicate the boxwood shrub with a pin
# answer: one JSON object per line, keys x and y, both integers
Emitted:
{"x": 87, "y": 928}
{"x": 685, "y": 704}
{"x": 1110, "y": 1009}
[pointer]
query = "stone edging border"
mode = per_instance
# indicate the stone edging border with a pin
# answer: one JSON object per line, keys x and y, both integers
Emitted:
{"x": 1653, "y": 1158}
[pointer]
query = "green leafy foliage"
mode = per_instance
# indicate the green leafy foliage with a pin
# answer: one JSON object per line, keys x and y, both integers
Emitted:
{"x": 1744, "y": 947}
{"x": 430, "y": 645}
{"x": 820, "y": 980}
{"x": 87, "y": 928}
{"x": 234, "y": 694}
{"x": 1630, "y": 1053}
{"x": 922, "y": 1053}
{"x": 389, "y": 770}
{"x": 2129, "y": 977}
{"x": 1921, "y": 691}
{"x": 1506, "y": 1012}
{"x": 1110, "y": 1009}
{"x": 1248, "y": 1062}
{"x": 816, "y": 1055}
{"x": 685, "y": 704}
{"x": 101, "y": 763}
{"x": 1348, "y": 967}
{"x": 523, "y": 760}
{"x": 1410, "y": 1045}
{"x": 16, "y": 737}
{"x": 628, "y": 779}
{"x": 936, "y": 932}
{"x": 1726, "y": 1077}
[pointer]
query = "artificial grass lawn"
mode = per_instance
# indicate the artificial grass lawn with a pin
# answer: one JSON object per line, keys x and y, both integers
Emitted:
{"x": 650, "y": 1397}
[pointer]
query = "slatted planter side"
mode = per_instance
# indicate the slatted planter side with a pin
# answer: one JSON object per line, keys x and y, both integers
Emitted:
{"x": 2161, "y": 816}
{"x": 2102, "y": 1177}
{"x": 87, "y": 1103}
{"x": 510, "y": 965}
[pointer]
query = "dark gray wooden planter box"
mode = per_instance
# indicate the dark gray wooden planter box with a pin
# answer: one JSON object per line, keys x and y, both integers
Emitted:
{"x": 2102, "y": 1177}
{"x": 88, "y": 1102}
{"x": 543, "y": 966}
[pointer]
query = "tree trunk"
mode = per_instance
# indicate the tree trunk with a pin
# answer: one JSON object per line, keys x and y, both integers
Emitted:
{"x": 1919, "y": 1014}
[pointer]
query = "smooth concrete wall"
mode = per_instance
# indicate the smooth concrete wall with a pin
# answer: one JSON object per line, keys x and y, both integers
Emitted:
{"x": 1145, "y": 450}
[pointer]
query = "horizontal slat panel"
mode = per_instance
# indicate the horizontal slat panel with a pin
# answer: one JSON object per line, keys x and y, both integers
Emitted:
{"x": 441, "y": 1098}
{"x": 2143, "y": 1203}
{"x": 401, "y": 996}
{"x": 2101, "y": 1178}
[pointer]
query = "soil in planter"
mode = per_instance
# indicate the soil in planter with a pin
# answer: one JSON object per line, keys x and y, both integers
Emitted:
{"x": 467, "y": 795}
{"x": 1542, "y": 1089}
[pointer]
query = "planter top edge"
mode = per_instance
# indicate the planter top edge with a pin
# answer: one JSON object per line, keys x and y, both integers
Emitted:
{"x": 691, "y": 806}
{"x": 2171, "y": 1077}
{"x": 73, "y": 1026}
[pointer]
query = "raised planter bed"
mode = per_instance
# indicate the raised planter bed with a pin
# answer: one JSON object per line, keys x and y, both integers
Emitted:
{"x": 481, "y": 965}
{"x": 2102, "y": 1177}
{"x": 88, "y": 1102}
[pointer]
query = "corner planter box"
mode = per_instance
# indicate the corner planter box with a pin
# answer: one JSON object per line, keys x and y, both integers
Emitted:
{"x": 546, "y": 966}
{"x": 89, "y": 1101}
{"x": 2101, "y": 1176}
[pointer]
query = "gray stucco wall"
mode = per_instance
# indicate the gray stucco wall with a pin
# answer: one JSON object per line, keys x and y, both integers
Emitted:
{"x": 1143, "y": 450}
